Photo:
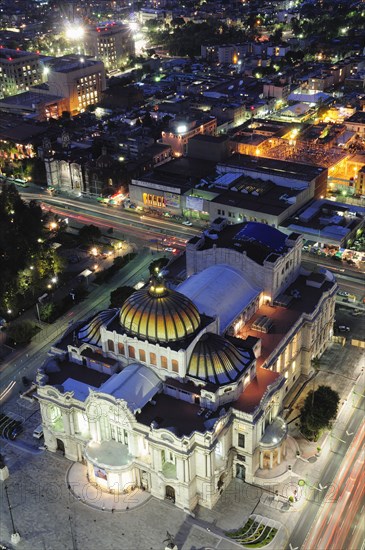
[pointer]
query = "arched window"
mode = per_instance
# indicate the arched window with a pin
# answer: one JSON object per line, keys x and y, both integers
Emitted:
{"x": 142, "y": 355}
{"x": 131, "y": 352}
{"x": 175, "y": 365}
{"x": 163, "y": 362}
{"x": 153, "y": 359}
{"x": 110, "y": 345}
{"x": 121, "y": 350}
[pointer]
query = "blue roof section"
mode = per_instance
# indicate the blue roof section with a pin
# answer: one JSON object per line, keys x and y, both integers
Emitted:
{"x": 264, "y": 234}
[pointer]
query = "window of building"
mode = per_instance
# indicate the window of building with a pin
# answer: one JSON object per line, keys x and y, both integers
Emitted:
{"x": 175, "y": 365}
{"x": 142, "y": 355}
{"x": 153, "y": 359}
{"x": 110, "y": 345}
{"x": 163, "y": 362}
{"x": 121, "y": 349}
{"x": 131, "y": 352}
{"x": 241, "y": 440}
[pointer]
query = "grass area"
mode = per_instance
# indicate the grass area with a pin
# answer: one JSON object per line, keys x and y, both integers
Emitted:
{"x": 253, "y": 534}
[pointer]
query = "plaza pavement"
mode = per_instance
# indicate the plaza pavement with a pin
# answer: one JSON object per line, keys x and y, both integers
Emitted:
{"x": 47, "y": 508}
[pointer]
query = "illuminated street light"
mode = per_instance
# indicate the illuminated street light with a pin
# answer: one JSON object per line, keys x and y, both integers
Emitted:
{"x": 9, "y": 311}
{"x": 54, "y": 280}
{"x": 133, "y": 25}
{"x": 94, "y": 251}
{"x": 74, "y": 32}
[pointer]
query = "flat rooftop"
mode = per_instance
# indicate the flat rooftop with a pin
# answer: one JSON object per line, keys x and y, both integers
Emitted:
{"x": 174, "y": 415}
{"x": 251, "y": 397}
{"x": 59, "y": 371}
{"x": 250, "y": 195}
{"x": 9, "y": 54}
{"x": 69, "y": 63}
{"x": 255, "y": 244}
{"x": 284, "y": 318}
{"x": 276, "y": 167}
{"x": 29, "y": 99}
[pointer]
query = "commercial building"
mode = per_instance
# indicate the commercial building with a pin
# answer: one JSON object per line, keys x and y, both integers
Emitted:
{"x": 112, "y": 43}
{"x": 19, "y": 70}
{"x": 79, "y": 79}
{"x": 181, "y": 390}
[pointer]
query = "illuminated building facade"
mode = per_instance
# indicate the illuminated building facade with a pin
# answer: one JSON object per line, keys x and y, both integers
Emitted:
{"x": 112, "y": 43}
{"x": 80, "y": 80}
{"x": 183, "y": 130}
{"x": 19, "y": 70}
{"x": 167, "y": 394}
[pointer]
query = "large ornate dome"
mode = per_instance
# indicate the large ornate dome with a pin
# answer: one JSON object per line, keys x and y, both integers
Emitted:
{"x": 215, "y": 359}
{"x": 159, "y": 314}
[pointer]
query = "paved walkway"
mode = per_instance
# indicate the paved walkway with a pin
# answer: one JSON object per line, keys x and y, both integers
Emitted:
{"x": 92, "y": 495}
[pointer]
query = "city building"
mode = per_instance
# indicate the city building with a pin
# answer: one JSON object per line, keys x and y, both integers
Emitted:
{"x": 181, "y": 389}
{"x": 182, "y": 129}
{"x": 81, "y": 80}
{"x": 19, "y": 70}
{"x": 112, "y": 43}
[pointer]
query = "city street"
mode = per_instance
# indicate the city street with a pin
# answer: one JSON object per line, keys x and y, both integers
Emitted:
{"x": 26, "y": 362}
{"x": 332, "y": 485}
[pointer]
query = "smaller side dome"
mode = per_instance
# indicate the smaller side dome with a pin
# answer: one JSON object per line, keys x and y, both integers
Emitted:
{"x": 90, "y": 333}
{"x": 215, "y": 359}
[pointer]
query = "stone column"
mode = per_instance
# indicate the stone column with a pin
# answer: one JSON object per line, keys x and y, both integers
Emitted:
{"x": 271, "y": 460}
{"x": 279, "y": 455}
{"x": 66, "y": 422}
{"x": 261, "y": 460}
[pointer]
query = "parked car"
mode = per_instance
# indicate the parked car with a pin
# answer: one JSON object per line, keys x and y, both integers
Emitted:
{"x": 187, "y": 222}
{"x": 38, "y": 432}
{"x": 343, "y": 293}
{"x": 343, "y": 328}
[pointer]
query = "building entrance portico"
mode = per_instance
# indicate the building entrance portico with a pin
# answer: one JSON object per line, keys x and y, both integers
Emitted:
{"x": 110, "y": 466}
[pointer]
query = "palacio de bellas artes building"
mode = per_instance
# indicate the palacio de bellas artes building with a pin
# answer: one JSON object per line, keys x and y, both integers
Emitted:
{"x": 182, "y": 389}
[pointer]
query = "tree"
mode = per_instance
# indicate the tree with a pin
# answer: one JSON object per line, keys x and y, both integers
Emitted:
{"x": 120, "y": 295}
{"x": 21, "y": 332}
{"x": 89, "y": 234}
{"x": 157, "y": 265}
{"x": 47, "y": 312}
{"x": 319, "y": 409}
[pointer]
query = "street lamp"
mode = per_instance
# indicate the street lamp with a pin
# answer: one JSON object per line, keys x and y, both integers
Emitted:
{"x": 15, "y": 537}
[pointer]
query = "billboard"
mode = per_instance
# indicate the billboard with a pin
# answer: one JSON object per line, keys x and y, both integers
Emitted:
{"x": 194, "y": 203}
{"x": 172, "y": 200}
{"x": 100, "y": 472}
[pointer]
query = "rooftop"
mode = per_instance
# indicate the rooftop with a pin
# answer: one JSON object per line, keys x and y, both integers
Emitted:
{"x": 69, "y": 63}
{"x": 251, "y": 397}
{"x": 284, "y": 318}
{"x": 60, "y": 371}
{"x": 9, "y": 54}
{"x": 280, "y": 168}
{"x": 174, "y": 415}
{"x": 258, "y": 240}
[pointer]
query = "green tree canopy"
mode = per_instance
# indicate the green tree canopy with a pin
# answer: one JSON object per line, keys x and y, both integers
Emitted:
{"x": 120, "y": 295}
{"x": 21, "y": 332}
{"x": 89, "y": 234}
{"x": 319, "y": 409}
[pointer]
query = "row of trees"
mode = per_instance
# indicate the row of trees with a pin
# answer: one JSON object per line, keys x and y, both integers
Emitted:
{"x": 26, "y": 259}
